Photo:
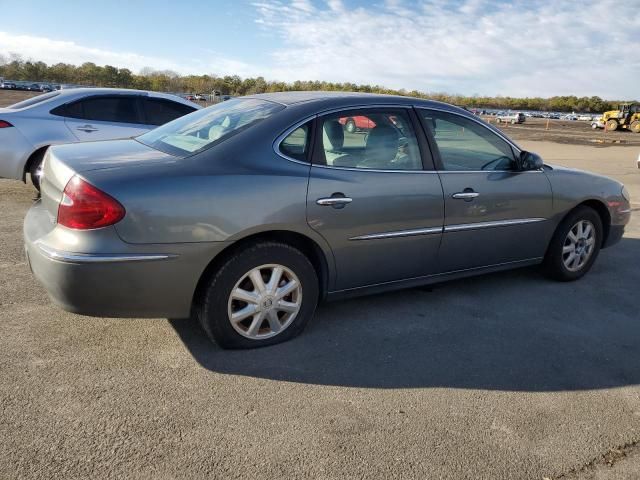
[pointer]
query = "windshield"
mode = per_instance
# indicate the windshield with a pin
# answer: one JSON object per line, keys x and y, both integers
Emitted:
{"x": 204, "y": 128}
{"x": 34, "y": 101}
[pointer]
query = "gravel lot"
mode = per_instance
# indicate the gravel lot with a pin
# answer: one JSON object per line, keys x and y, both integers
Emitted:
{"x": 502, "y": 376}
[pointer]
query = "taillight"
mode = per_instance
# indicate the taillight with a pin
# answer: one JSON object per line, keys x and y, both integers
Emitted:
{"x": 85, "y": 207}
{"x": 5, "y": 124}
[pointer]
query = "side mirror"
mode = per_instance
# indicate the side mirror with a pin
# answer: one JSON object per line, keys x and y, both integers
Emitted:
{"x": 530, "y": 161}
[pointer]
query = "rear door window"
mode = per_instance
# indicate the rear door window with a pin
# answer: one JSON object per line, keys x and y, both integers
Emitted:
{"x": 369, "y": 139}
{"x": 117, "y": 109}
{"x": 158, "y": 111}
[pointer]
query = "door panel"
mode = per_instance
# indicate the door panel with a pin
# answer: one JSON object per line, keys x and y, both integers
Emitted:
{"x": 88, "y": 130}
{"x": 494, "y": 213}
{"x": 384, "y": 206}
{"x": 507, "y": 221}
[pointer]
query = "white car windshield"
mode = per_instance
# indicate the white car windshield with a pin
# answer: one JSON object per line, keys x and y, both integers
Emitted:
{"x": 204, "y": 128}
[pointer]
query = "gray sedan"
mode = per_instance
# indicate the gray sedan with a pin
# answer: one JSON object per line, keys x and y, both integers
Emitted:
{"x": 246, "y": 214}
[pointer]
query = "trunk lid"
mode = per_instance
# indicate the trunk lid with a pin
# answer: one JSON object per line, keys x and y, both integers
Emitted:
{"x": 62, "y": 162}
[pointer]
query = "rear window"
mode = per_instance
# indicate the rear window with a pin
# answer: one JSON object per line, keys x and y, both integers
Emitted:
{"x": 34, "y": 101}
{"x": 159, "y": 111}
{"x": 204, "y": 128}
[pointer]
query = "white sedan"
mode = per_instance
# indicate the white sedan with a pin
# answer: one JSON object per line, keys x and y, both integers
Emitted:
{"x": 29, "y": 127}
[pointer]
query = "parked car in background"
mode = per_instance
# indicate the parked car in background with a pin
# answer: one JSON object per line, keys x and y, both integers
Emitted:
{"x": 248, "y": 213}
{"x": 357, "y": 122}
{"x": 570, "y": 116}
{"x": 201, "y": 97}
{"x": 585, "y": 118}
{"x": 597, "y": 123}
{"x": 29, "y": 127}
{"x": 8, "y": 85}
{"x": 513, "y": 118}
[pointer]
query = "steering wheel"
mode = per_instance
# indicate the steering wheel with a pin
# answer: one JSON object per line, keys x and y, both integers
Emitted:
{"x": 495, "y": 160}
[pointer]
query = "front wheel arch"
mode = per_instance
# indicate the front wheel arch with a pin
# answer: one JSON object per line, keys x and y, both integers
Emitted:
{"x": 602, "y": 211}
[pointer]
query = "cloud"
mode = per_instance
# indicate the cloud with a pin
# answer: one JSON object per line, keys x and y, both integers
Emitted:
{"x": 469, "y": 46}
{"x": 52, "y": 51}
{"x": 487, "y": 47}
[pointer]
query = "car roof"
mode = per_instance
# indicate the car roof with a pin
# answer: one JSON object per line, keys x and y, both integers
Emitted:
{"x": 324, "y": 100}
{"x": 70, "y": 94}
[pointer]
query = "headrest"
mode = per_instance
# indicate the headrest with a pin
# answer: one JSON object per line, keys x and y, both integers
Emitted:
{"x": 382, "y": 144}
{"x": 332, "y": 135}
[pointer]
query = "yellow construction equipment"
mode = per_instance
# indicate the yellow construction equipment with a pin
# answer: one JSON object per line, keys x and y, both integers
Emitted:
{"x": 627, "y": 116}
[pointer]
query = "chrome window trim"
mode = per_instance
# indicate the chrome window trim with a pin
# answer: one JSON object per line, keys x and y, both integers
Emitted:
{"x": 70, "y": 257}
{"x": 497, "y": 223}
{"x": 399, "y": 233}
{"x": 539, "y": 170}
{"x": 376, "y": 170}
{"x": 282, "y": 136}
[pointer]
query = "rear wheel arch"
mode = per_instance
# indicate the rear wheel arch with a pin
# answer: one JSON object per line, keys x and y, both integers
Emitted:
{"x": 36, "y": 155}
{"x": 303, "y": 243}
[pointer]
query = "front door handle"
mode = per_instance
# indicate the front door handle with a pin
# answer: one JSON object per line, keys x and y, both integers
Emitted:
{"x": 335, "y": 202}
{"x": 465, "y": 195}
{"x": 87, "y": 128}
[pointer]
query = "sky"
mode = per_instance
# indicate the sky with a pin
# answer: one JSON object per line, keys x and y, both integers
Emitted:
{"x": 471, "y": 47}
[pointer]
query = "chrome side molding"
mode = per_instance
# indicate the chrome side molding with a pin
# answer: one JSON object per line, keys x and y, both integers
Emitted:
{"x": 70, "y": 257}
{"x": 499, "y": 223}
{"x": 447, "y": 228}
{"x": 399, "y": 233}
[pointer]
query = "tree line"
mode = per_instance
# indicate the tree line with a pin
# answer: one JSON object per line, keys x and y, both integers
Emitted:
{"x": 90, "y": 74}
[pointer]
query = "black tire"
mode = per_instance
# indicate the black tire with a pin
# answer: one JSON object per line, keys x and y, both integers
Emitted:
{"x": 554, "y": 265}
{"x": 34, "y": 167}
{"x": 350, "y": 125}
{"x": 212, "y": 306}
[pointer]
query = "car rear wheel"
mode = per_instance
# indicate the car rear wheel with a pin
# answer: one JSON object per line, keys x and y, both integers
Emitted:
{"x": 635, "y": 126}
{"x": 262, "y": 295}
{"x": 612, "y": 124}
{"x": 574, "y": 246}
{"x": 513, "y": 122}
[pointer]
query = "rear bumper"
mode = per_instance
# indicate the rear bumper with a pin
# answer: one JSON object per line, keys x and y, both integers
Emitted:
{"x": 129, "y": 281}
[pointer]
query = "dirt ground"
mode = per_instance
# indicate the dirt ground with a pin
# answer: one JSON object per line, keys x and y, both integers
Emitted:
{"x": 9, "y": 97}
{"x": 538, "y": 129}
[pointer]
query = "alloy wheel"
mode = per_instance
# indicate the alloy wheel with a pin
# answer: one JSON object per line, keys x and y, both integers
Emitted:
{"x": 578, "y": 245}
{"x": 265, "y": 301}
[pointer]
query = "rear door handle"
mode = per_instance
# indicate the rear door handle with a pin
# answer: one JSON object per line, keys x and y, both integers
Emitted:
{"x": 87, "y": 128}
{"x": 335, "y": 202}
{"x": 465, "y": 195}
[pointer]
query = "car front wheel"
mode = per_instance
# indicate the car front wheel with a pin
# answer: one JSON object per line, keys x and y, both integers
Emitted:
{"x": 574, "y": 246}
{"x": 262, "y": 295}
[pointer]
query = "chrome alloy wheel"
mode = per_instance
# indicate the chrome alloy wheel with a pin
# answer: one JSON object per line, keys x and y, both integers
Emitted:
{"x": 265, "y": 301}
{"x": 578, "y": 245}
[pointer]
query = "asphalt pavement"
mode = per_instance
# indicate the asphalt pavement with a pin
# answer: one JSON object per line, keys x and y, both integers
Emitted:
{"x": 507, "y": 376}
